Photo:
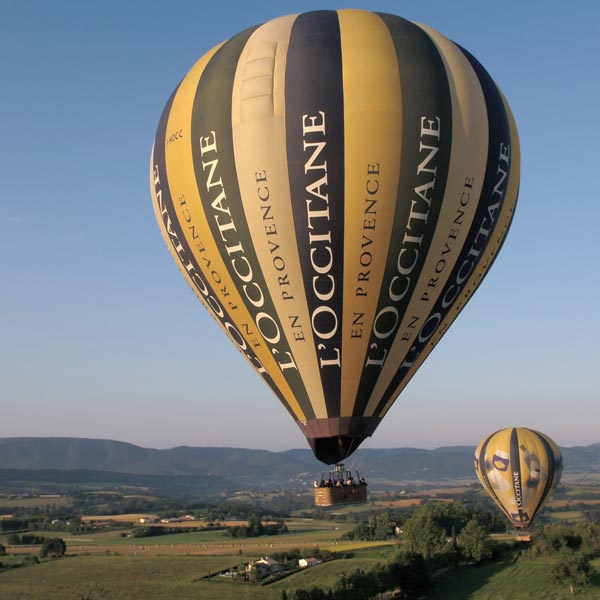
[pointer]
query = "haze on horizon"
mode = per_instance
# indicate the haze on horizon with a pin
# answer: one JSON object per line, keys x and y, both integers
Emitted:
{"x": 103, "y": 339}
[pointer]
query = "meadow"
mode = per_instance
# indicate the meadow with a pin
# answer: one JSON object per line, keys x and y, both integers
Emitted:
{"x": 106, "y": 576}
{"x": 110, "y": 564}
{"x": 522, "y": 580}
{"x": 173, "y": 566}
{"x": 41, "y": 501}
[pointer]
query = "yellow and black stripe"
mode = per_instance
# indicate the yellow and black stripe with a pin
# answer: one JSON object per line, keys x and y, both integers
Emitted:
{"x": 520, "y": 468}
{"x": 334, "y": 186}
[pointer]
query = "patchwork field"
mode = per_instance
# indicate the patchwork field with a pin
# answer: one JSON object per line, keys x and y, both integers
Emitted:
{"x": 158, "y": 577}
{"x": 304, "y": 534}
{"x": 35, "y": 501}
{"x": 112, "y": 565}
{"x": 173, "y": 566}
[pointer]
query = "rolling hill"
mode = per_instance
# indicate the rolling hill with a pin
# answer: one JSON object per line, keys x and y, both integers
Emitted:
{"x": 250, "y": 468}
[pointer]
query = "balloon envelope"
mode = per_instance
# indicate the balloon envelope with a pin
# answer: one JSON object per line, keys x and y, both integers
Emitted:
{"x": 520, "y": 468}
{"x": 334, "y": 186}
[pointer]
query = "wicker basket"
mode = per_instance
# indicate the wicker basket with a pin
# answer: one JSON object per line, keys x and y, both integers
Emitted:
{"x": 347, "y": 494}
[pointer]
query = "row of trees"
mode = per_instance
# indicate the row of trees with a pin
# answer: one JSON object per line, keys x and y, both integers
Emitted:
{"x": 445, "y": 532}
{"x": 573, "y": 549}
{"x": 55, "y": 547}
{"x": 436, "y": 536}
{"x": 67, "y": 518}
{"x": 583, "y": 537}
{"x": 27, "y": 538}
{"x": 439, "y": 528}
{"x": 256, "y": 528}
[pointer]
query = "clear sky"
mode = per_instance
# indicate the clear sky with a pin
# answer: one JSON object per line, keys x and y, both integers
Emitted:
{"x": 101, "y": 337}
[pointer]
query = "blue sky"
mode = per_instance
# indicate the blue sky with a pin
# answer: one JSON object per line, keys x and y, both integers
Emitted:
{"x": 100, "y": 335}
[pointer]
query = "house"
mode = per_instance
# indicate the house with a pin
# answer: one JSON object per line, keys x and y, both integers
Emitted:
{"x": 101, "y": 524}
{"x": 170, "y": 520}
{"x": 303, "y": 563}
{"x": 264, "y": 566}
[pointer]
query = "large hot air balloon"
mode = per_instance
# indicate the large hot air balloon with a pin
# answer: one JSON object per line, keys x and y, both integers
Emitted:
{"x": 520, "y": 469}
{"x": 334, "y": 186}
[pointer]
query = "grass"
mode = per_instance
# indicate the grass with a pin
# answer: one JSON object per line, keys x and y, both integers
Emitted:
{"x": 566, "y": 515}
{"x": 157, "y": 578}
{"x": 107, "y": 566}
{"x": 125, "y": 518}
{"x": 304, "y": 533}
{"x": 324, "y": 575}
{"x": 110, "y": 577}
{"x": 34, "y": 502}
{"x": 523, "y": 580}
{"x": 564, "y": 503}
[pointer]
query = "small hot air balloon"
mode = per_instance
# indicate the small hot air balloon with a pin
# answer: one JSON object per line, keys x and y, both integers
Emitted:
{"x": 519, "y": 468}
{"x": 334, "y": 186}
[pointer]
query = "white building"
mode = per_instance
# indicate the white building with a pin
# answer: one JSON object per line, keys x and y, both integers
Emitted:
{"x": 307, "y": 562}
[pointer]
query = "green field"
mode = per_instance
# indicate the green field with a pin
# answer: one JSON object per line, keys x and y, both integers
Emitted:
{"x": 302, "y": 532}
{"x": 107, "y": 577}
{"x": 524, "y": 580}
{"x": 572, "y": 516}
{"x": 109, "y": 565}
{"x": 157, "y": 578}
{"x": 34, "y": 501}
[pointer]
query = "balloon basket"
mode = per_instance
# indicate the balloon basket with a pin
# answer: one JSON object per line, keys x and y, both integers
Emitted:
{"x": 522, "y": 537}
{"x": 341, "y": 487}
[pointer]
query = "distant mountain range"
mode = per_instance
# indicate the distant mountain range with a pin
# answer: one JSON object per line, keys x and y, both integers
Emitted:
{"x": 248, "y": 468}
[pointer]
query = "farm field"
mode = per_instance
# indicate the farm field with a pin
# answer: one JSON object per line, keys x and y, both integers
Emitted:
{"x": 572, "y": 516}
{"x": 563, "y": 503}
{"x": 173, "y": 568}
{"x": 106, "y": 576}
{"x": 304, "y": 534}
{"x": 523, "y": 580}
{"x": 34, "y": 501}
{"x": 101, "y": 564}
{"x": 155, "y": 578}
{"x": 124, "y": 518}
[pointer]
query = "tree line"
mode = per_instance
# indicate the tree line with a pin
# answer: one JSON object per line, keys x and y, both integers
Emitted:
{"x": 440, "y": 535}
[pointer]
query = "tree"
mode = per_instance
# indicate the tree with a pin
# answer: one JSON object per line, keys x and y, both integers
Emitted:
{"x": 55, "y": 546}
{"x": 573, "y": 568}
{"x": 359, "y": 585}
{"x": 255, "y": 526}
{"x": 590, "y": 538}
{"x": 383, "y": 527}
{"x": 449, "y": 515}
{"x": 424, "y": 536}
{"x": 313, "y": 593}
{"x": 561, "y": 537}
{"x": 2, "y": 550}
{"x": 474, "y": 542}
{"x": 409, "y": 571}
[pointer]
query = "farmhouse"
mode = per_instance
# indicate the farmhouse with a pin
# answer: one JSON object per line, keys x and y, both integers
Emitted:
{"x": 146, "y": 520}
{"x": 264, "y": 566}
{"x": 303, "y": 563}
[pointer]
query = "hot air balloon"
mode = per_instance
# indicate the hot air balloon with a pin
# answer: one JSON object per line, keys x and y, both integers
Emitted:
{"x": 334, "y": 186}
{"x": 519, "y": 468}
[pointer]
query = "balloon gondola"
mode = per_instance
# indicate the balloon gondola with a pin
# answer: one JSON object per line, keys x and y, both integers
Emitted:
{"x": 334, "y": 186}
{"x": 520, "y": 469}
{"x": 340, "y": 487}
